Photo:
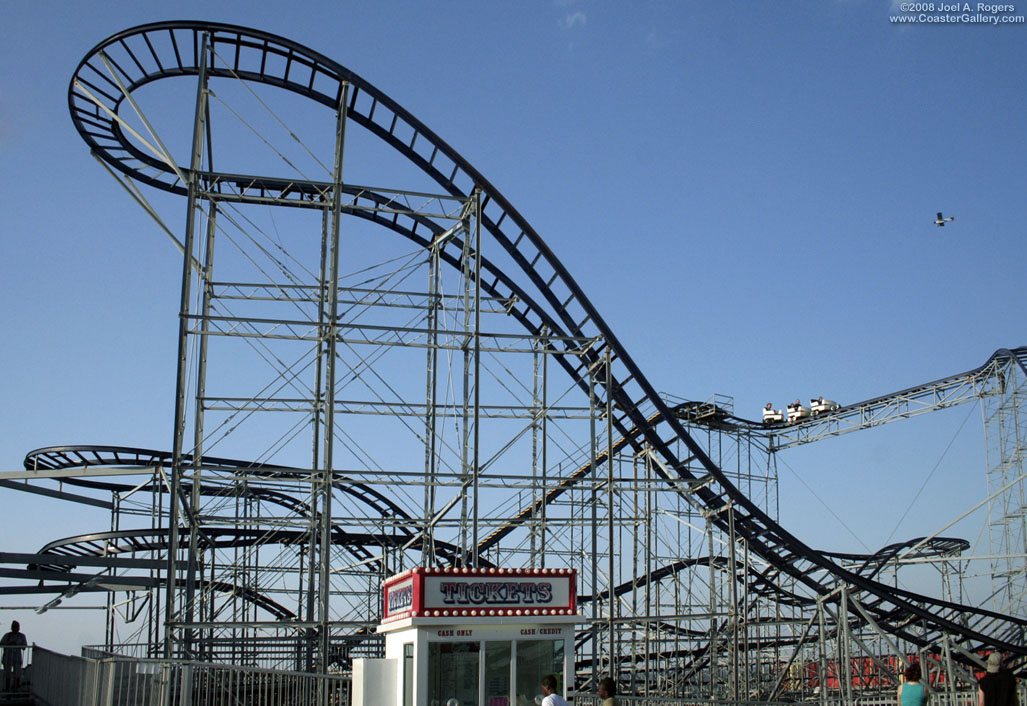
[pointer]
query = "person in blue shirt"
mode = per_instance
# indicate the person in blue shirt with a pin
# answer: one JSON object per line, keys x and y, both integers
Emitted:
{"x": 912, "y": 692}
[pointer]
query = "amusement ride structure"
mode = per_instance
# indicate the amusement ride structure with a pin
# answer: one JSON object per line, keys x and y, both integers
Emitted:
{"x": 391, "y": 369}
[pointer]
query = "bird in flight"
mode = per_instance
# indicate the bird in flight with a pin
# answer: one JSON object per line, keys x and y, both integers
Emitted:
{"x": 941, "y": 221}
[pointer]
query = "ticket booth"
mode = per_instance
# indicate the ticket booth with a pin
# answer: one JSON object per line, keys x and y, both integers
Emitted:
{"x": 471, "y": 637}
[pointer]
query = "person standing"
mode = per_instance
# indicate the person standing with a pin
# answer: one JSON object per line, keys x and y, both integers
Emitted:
{"x": 13, "y": 643}
{"x": 550, "y": 697}
{"x": 607, "y": 691}
{"x": 998, "y": 686}
{"x": 911, "y": 692}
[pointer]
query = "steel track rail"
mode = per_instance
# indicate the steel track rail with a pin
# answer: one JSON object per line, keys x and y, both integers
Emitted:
{"x": 918, "y": 399}
{"x": 76, "y": 457}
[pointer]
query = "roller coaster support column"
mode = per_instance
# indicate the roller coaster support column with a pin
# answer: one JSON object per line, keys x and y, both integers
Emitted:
{"x": 471, "y": 416}
{"x": 206, "y": 280}
{"x": 734, "y": 617}
{"x": 109, "y": 627}
{"x": 330, "y": 328}
{"x": 476, "y": 202}
{"x": 748, "y": 603}
{"x": 593, "y": 451}
{"x": 178, "y": 466}
{"x": 545, "y": 445}
{"x": 308, "y": 572}
{"x": 822, "y": 650}
{"x": 320, "y": 355}
{"x": 713, "y": 604}
{"x": 431, "y": 399}
{"x": 539, "y": 446}
{"x": 950, "y": 682}
{"x": 1005, "y": 426}
{"x": 844, "y": 647}
{"x": 610, "y": 511}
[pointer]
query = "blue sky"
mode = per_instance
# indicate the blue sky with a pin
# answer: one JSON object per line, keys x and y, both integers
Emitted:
{"x": 744, "y": 190}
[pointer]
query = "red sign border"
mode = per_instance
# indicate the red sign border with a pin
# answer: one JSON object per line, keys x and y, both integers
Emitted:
{"x": 418, "y": 574}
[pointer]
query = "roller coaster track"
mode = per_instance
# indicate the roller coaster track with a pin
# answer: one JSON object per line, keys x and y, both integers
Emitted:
{"x": 920, "y": 399}
{"x": 114, "y": 544}
{"x": 948, "y": 391}
{"x": 866, "y": 565}
{"x": 83, "y": 457}
{"x": 540, "y": 293}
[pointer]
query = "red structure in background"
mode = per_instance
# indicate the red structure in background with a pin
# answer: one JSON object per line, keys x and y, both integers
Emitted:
{"x": 864, "y": 673}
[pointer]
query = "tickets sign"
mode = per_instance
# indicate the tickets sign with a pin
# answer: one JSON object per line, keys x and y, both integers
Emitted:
{"x": 480, "y": 593}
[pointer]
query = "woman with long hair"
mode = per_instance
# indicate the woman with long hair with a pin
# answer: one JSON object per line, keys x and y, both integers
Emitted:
{"x": 912, "y": 692}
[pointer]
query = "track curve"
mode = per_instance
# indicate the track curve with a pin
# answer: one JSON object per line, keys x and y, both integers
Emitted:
{"x": 97, "y": 456}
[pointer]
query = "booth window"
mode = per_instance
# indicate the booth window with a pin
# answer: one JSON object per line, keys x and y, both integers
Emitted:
{"x": 453, "y": 672}
{"x": 481, "y": 673}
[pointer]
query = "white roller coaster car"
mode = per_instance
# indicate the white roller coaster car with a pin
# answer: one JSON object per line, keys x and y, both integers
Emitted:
{"x": 797, "y": 411}
{"x": 820, "y": 405}
{"x": 772, "y": 415}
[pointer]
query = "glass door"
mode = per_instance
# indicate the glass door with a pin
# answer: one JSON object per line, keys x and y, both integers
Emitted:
{"x": 497, "y": 673}
{"x": 536, "y": 659}
{"x": 453, "y": 673}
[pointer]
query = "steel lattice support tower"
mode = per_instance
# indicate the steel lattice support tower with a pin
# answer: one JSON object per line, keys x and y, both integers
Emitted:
{"x": 1005, "y": 426}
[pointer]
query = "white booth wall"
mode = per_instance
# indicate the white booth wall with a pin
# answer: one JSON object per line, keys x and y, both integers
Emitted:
{"x": 489, "y": 663}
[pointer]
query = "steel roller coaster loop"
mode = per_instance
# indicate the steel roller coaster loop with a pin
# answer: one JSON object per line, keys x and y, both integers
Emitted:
{"x": 148, "y": 541}
{"x": 82, "y": 457}
{"x": 541, "y": 293}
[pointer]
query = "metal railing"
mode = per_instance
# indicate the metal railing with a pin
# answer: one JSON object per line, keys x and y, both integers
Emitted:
{"x": 593, "y": 700}
{"x": 61, "y": 680}
{"x": 960, "y": 698}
